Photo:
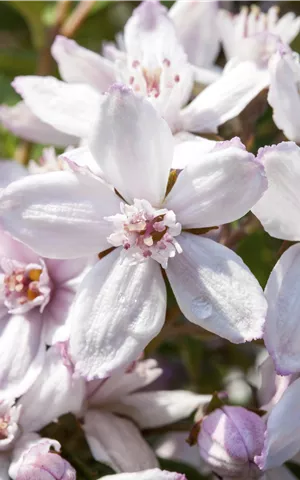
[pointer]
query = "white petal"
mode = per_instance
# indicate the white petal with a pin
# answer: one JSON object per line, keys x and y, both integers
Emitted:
{"x": 150, "y": 36}
{"x": 11, "y": 171}
{"x": 280, "y": 473}
{"x": 225, "y": 98}
{"x": 130, "y": 153}
{"x": 205, "y": 76}
{"x": 20, "y": 366}
{"x": 69, "y": 108}
{"x": 272, "y": 385}
{"x": 81, "y": 160}
{"x": 284, "y": 95}
{"x": 80, "y": 65}
{"x": 159, "y": 408}
{"x": 282, "y": 329}
{"x": 4, "y": 466}
{"x": 279, "y": 208}
{"x": 283, "y": 430}
{"x": 216, "y": 290}
{"x": 54, "y": 393}
{"x": 117, "y": 442}
{"x": 217, "y": 187}
{"x": 154, "y": 474}
{"x": 20, "y": 120}
{"x": 59, "y": 214}
{"x": 55, "y": 325}
{"x": 121, "y": 384}
{"x": 173, "y": 446}
{"x": 287, "y": 27}
{"x": 118, "y": 309}
{"x": 195, "y": 24}
{"x": 186, "y": 151}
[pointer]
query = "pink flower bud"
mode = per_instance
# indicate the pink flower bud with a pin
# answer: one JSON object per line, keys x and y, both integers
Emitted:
{"x": 41, "y": 464}
{"x": 229, "y": 440}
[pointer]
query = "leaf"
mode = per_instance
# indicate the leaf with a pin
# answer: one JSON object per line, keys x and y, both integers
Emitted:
{"x": 32, "y": 12}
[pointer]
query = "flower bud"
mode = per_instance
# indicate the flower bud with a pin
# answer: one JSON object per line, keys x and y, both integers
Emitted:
{"x": 40, "y": 463}
{"x": 229, "y": 440}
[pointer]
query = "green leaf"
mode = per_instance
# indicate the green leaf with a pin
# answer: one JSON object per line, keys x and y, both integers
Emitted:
{"x": 32, "y": 12}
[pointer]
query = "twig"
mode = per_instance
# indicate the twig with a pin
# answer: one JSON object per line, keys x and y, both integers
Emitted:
{"x": 76, "y": 18}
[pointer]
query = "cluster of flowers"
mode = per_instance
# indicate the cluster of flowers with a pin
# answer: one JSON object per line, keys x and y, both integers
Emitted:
{"x": 88, "y": 239}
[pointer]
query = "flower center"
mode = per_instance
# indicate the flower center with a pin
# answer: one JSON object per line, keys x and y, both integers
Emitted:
{"x": 4, "y": 423}
{"x": 150, "y": 81}
{"x": 146, "y": 232}
{"x": 25, "y": 286}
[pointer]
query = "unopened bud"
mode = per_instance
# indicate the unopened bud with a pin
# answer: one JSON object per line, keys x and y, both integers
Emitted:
{"x": 229, "y": 440}
{"x": 42, "y": 464}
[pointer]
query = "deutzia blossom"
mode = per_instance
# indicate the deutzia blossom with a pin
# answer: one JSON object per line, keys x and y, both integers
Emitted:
{"x": 117, "y": 404}
{"x": 35, "y": 296}
{"x": 284, "y": 95}
{"x": 120, "y": 305}
{"x": 238, "y": 443}
{"x": 154, "y": 64}
{"x": 254, "y": 36}
{"x": 54, "y": 393}
{"x": 278, "y": 210}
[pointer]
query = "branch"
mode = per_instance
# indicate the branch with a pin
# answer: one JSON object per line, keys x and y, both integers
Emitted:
{"x": 76, "y": 18}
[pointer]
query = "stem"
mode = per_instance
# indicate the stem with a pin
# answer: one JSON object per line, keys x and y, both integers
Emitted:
{"x": 76, "y": 18}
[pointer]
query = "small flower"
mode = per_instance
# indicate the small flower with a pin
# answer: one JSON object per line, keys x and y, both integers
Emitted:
{"x": 120, "y": 305}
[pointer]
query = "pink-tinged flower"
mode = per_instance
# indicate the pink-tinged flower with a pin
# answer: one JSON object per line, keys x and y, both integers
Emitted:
{"x": 237, "y": 443}
{"x": 253, "y": 35}
{"x": 120, "y": 305}
{"x": 55, "y": 392}
{"x": 278, "y": 211}
{"x": 154, "y": 64}
{"x": 118, "y": 404}
{"x": 284, "y": 95}
{"x": 229, "y": 440}
{"x": 34, "y": 459}
{"x": 153, "y": 474}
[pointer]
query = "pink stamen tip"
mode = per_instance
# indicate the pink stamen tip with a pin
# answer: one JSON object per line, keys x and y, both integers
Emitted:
{"x": 177, "y": 78}
{"x": 167, "y": 62}
{"x": 135, "y": 63}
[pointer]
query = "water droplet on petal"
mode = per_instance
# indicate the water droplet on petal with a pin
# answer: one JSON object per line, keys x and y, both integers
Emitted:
{"x": 201, "y": 307}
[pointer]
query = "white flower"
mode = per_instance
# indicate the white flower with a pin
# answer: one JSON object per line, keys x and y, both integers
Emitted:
{"x": 116, "y": 411}
{"x": 253, "y": 35}
{"x": 154, "y": 64}
{"x": 279, "y": 212}
{"x": 120, "y": 305}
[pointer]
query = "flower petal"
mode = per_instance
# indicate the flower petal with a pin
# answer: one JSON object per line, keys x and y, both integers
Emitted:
{"x": 132, "y": 152}
{"x": 159, "y": 408}
{"x": 120, "y": 384}
{"x": 59, "y": 214}
{"x": 216, "y": 290}
{"x": 117, "y": 442}
{"x": 287, "y": 27}
{"x": 55, "y": 325}
{"x": 55, "y": 392}
{"x": 20, "y": 366}
{"x": 20, "y": 120}
{"x": 118, "y": 309}
{"x": 52, "y": 101}
{"x": 279, "y": 208}
{"x": 217, "y": 187}
{"x": 283, "y": 95}
{"x": 225, "y": 98}
{"x": 80, "y": 65}
{"x": 186, "y": 151}
{"x": 81, "y": 160}
{"x": 154, "y": 474}
{"x": 282, "y": 329}
{"x": 283, "y": 430}
{"x": 195, "y": 24}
